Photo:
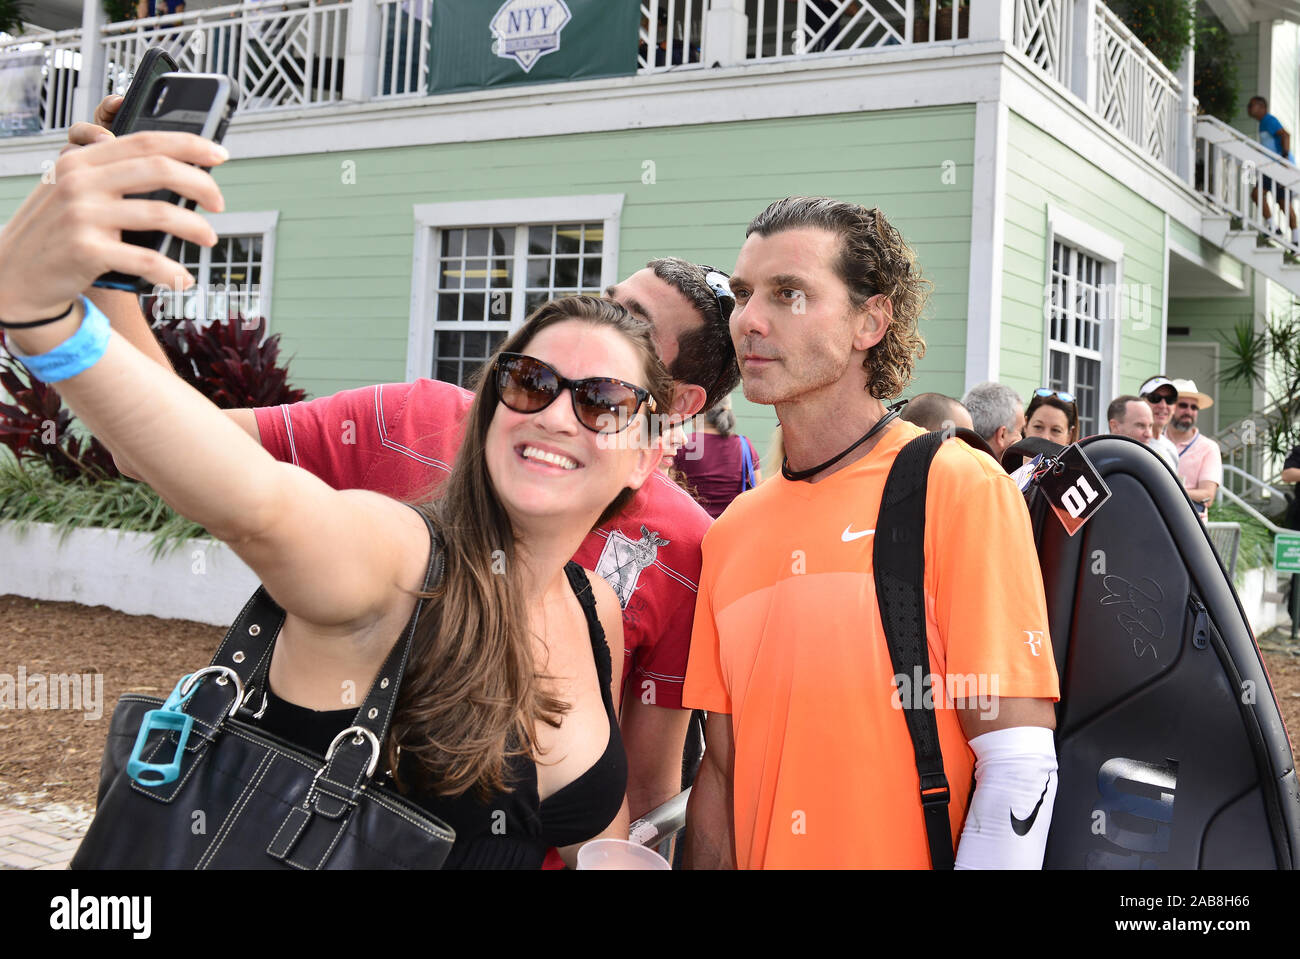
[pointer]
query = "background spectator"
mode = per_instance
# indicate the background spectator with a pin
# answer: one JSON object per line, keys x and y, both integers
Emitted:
{"x": 1275, "y": 137}
{"x": 1161, "y": 393}
{"x": 1199, "y": 462}
{"x": 1291, "y": 474}
{"x": 713, "y": 460}
{"x": 1132, "y": 416}
{"x": 997, "y": 414}
{"x": 1053, "y": 415}
{"x": 934, "y": 411}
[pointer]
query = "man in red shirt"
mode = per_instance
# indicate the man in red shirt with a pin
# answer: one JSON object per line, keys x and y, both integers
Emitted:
{"x": 400, "y": 439}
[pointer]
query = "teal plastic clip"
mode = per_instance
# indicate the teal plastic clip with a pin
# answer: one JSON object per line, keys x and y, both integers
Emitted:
{"x": 167, "y": 718}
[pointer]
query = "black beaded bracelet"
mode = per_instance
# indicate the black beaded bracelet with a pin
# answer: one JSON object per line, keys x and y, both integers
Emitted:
{"x": 28, "y": 326}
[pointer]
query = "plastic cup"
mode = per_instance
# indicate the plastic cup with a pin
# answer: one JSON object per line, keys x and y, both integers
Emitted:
{"x": 619, "y": 854}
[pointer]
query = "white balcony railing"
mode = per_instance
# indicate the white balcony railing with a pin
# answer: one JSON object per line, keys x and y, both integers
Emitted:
{"x": 57, "y": 58}
{"x": 1116, "y": 75}
{"x": 1135, "y": 92}
{"x": 1041, "y": 30}
{"x": 289, "y": 53}
{"x": 672, "y": 35}
{"x": 798, "y": 28}
{"x": 403, "y": 62}
{"x": 304, "y": 53}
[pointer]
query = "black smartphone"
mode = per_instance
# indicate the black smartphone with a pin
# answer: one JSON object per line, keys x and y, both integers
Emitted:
{"x": 200, "y": 103}
{"x": 155, "y": 62}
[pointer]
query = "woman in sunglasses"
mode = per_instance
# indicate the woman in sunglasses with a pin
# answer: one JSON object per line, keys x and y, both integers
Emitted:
{"x": 1053, "y": 415}
{"x": 505, "y": 725}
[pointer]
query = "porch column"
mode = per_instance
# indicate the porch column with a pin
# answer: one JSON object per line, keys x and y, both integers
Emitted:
{"x": 726, "y": 33}
{"x": 361, "y": 64}
{"x": 90, "y": 82}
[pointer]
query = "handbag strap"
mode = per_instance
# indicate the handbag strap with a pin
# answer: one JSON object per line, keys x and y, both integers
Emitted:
{"x": 246, "y": 650}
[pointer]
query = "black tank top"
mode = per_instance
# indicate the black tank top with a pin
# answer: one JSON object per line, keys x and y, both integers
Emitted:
{"x": 509, "y": 830}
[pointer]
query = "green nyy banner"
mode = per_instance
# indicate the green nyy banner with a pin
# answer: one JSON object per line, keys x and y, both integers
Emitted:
{"x": 490, "y": 43}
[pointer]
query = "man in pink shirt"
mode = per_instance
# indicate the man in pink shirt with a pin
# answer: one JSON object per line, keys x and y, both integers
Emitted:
{"x": 1199, "y": 462}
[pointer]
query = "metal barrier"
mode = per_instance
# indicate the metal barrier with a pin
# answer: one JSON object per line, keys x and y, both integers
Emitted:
{"x": 1226, "y": 538}
{"x": 661, "y": 826}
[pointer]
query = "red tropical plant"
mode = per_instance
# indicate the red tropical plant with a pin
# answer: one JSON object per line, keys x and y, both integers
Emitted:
{"x": 37, "y": 426}
{"x": 231, "y": 362}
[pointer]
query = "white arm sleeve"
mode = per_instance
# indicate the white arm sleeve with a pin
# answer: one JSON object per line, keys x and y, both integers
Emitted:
{"x": 1011, "y": 809}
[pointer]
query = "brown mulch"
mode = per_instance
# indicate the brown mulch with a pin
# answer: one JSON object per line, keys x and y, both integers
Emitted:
{"x": 56, "y": 752}
{"x": 52, "y": 755}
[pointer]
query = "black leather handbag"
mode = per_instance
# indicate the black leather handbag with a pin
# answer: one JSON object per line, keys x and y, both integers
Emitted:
{"x": 241, "y": 798}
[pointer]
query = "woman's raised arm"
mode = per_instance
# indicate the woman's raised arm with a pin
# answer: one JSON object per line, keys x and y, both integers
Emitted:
{"x": 332, "y": 558}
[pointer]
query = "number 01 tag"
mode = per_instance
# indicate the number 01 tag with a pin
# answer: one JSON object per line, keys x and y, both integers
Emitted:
{"x": 1074, "y": 489}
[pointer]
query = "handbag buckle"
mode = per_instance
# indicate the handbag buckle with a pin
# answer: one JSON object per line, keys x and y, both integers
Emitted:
{"x": 357, "y": 740}
{"x": 170, "y": 717}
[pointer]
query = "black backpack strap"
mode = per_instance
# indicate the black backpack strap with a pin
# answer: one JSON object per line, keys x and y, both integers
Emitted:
{"x": 899, "y": 560}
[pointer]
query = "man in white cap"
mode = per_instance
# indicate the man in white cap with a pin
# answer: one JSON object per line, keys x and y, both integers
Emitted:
{"x": 1161, "y": 393}
{"x": 1199, "y": 461}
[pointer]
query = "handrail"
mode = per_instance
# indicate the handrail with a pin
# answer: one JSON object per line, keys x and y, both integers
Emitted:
{"x": 1278, "y": 167}
{"x": 1251, "y": 511}
{"x": 1238, "y": 471}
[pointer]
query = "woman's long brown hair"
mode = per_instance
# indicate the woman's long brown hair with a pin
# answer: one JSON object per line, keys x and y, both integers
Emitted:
{"x": 471, "y": 696}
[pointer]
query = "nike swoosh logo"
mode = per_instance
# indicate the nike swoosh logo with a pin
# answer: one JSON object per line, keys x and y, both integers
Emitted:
{"x": 1021, "y": 827}
{"x": 849, "y": 536}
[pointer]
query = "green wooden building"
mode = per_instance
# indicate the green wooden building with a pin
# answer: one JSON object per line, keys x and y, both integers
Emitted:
{"x": 1084, "y": 227}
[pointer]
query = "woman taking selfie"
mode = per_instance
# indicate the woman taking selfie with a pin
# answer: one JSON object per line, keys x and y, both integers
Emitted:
{"x": 505, "y": 725}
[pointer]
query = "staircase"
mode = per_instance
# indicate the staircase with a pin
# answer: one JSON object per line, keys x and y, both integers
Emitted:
{"x": 1229, "y": 167}
{"x": 1246, "y": 459}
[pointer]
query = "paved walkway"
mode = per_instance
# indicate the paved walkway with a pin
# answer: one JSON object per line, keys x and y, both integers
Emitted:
{"x": 39, "y": 837}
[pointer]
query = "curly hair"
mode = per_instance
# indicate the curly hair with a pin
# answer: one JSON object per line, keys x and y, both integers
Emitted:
{"x": 874, "y": 259}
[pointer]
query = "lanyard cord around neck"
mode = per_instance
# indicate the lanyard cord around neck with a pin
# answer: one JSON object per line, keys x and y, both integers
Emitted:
{"x": 796, "y": 475}
{"x": 1189, "y": 445}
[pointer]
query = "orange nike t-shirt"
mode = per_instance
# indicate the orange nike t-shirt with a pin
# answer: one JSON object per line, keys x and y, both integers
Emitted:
{"x": 788, "y": 641}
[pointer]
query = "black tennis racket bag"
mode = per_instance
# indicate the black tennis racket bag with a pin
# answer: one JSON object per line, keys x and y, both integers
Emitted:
{"x": 1170, "y": 743}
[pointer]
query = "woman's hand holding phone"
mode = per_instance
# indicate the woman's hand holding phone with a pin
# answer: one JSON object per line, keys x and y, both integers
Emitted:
{"x": 83, "y": 134}
{"x": 69, "y": 232}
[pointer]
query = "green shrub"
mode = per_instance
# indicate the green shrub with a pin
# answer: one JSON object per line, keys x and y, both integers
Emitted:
{"x": 12, "y": 14}
{"x": 1256, "y": 548}
{"x": 1163, "y": 26}
{"x": 32, "y": 493}
{"x": 1215, "y": 69}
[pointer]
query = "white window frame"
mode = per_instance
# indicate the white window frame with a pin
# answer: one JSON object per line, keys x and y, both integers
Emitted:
{"x": 1086, "y": 238}
{"x": 261, "y": 222}
{"x": 431, "y": 218}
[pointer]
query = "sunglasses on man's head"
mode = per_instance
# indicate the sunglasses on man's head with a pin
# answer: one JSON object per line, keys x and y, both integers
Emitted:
{"x": 720, "y": 285}
{"x": 1061, "y": 395}
{"x": 603, "y": 405}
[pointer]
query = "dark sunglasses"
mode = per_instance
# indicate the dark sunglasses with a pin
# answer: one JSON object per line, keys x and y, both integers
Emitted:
{"x": 1170, "y": 398}
{"x": 1061, "y": 395}
{"x": 720, "y": 285}
{"x": 603, "y": 405}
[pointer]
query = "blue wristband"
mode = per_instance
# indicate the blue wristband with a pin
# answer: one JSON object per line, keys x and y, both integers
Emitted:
{"x": 74, "y": 355}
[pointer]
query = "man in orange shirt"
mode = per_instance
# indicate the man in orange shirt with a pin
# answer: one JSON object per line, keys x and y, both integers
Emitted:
{"x": 809, "y": 762}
